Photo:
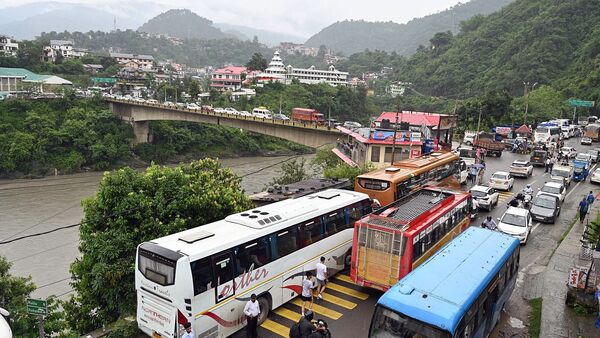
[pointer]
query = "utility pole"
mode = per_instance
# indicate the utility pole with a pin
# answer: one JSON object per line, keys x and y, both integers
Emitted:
{"x": 394, "y": 140}
{"x": 479, "y": 121}
{"x": 526, "y": 94}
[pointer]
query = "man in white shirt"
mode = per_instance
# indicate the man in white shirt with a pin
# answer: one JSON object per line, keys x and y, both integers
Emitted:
{"x": 188, "y": 331}
{"x": 252, "y": 310}
{"x": 322, "y": 276}
{"x": 307, "y": 291}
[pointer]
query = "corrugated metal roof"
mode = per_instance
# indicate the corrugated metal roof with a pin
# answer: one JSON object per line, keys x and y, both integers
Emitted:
{"x": 30, "y": 76}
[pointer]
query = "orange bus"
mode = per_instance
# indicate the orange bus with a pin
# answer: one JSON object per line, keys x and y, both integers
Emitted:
{"x": 394, "y": 240}
{"x": 389, "y": 184}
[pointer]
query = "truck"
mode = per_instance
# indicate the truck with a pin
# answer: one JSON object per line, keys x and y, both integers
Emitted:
{"x": 487, "y": 142}
{"x": 307, "y": 115}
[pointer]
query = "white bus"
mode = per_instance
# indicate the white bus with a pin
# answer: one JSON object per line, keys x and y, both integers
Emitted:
{"x": 546, "y": 133}
{"x": 206, "y": 275}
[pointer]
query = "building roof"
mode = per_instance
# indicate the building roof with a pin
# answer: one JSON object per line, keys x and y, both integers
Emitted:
{"x": 29, "y": 76}
{"x": 235, "y": 70}
{"x": 524, "y": 129}
{"x": 132, "y": 56}
{"x": 413, "y": 118}
{"x": 60, "y": 42}
{"x": 382, "y": 137}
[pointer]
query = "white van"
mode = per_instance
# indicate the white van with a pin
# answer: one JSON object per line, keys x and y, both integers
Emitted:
{"x": 469, "y": 137}
{"x": 262, "y": 112}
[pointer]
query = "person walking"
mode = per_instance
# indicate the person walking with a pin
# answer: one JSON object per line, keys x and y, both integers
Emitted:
{"x": 307, "y": 291}
{"x": 322, "y": 277}
{"x": 473, "y": 175}
{"x": 583, "y": 209}
{"x": 547, "y": 163}
{"x": 189, "y": 333}
{"x": 552, "y": 162}
{"x": 590, "y": 199}
{"x": 252, "y": 310}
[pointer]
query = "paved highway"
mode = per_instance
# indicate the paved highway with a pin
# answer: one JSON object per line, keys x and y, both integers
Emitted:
{"x": 348, "y": 308}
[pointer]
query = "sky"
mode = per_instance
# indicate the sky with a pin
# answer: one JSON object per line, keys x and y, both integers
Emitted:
{"x": 297, "y": 17}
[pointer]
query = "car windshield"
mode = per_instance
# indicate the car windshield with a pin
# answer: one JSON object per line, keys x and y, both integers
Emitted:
{"x": 551, "y": 189}
{"x": 476, "y": 193}
{"x": 520, "y": 164}
{"x": 513, "y": 219}
{"x": 582, "y": 157}
{"x": 565, "y": 150}
{"x": 539, "y": 153}
{"x": 544, "y": 202}
{"x": 560, "y": 172}
{"x": 593, "y": 152}
{"x": 500, "y": 176}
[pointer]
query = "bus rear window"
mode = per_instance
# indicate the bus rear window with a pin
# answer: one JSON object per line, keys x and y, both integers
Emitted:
{"x": 156, "y": 268}
{"x": 372, "y": 184}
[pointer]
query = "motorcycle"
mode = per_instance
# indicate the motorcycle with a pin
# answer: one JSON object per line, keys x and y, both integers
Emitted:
{"x": 517, "y": 201}
{"x": 527, "y": 197}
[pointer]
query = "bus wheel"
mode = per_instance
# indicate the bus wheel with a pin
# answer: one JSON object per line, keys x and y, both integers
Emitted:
{"x": 265, "y": 308}
{"x": 347, "y": 260}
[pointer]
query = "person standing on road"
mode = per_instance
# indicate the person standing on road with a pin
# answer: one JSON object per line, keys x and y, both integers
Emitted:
{"x": 547, "y": 163}
{"x": 583, "y": 209}
{"x": 307, "y": 291}
{"x": 590, "y": 199}
{"x": 552, "y": 162}
{"x": 322, "y": 277}
{"x": 189, "y": 333}
{"x": 489, "y": 223}
{"x": 473, "y": 175}
{"x": 252, "y": 310}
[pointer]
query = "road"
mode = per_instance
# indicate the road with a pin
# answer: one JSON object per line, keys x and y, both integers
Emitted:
{"x": 354, "y": 320}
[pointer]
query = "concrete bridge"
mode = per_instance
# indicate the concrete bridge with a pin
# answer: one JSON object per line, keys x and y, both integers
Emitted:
{"x": 140, "y": 113}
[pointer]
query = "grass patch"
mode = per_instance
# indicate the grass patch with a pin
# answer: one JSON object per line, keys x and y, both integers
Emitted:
{"x": 567, "y": 230}
{"x": 535, "y": 317}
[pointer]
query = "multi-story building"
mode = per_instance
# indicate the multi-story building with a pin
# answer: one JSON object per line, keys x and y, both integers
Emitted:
{"x": 8, "y": 46}
{"x": 66, "y": 49}
{"x": 277, "y": 72}
{"x": 228, "y": 78}
{"x": 138, "y": 61}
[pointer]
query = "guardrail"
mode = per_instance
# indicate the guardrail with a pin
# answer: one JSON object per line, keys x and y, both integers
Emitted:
{"x": 291, "y": 123}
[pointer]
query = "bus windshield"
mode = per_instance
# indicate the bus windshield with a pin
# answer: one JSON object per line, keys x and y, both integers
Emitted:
{"x": 390, "y": 324}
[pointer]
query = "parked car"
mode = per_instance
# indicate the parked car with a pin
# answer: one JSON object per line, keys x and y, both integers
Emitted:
{"x": 501, "y": 180}
{"x": 352, "y": 124}
{"x": 231, "y": 111}
{"x": 280, "y": 116}
{"x": 521, "y": 168}
{"x": 545, "y": 208}
{"x": 5, "y": 331}
{"x": 245, "y": 113}
{"x": 560, "y": 180}
{"x": 192, "y": 106}
{"x": 486, "y": 197}
{"x": 516, "y": 222}
{"x": 586, "y": 141}
{"x": 595, "y": 178}
{"x": 568, "y": 152}
{"x": 553, "y": 189}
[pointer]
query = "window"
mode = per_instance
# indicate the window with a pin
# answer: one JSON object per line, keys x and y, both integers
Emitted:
{"x": 375, "y": 154}
{"x": 253, "y": 255}
{"x": 287, "y": 241}
{"x": 310, "y": 232}
{"x": 156, "y": 268}
{"x": 334, "y": 222}
{"x": 201, "y": 275}
{"x": 223, "y": 268}
{"x": 388, "y": 155}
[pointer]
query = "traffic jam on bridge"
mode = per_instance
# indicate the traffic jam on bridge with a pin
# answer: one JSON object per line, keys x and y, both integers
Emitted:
{"x": 370, "y": 262}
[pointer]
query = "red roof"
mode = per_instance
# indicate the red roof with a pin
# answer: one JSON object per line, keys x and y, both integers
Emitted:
{"x": 413, "y": 118}
{"x": 236, "y": 70}
{"x": 524, "y": 129}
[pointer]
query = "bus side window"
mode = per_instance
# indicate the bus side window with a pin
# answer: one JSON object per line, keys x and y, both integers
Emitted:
{"x": 254, "y": 254}
{"x": 202, "y": 275}
{"x": 417, "y": 249}
{"x": 334, "y": 222}
{"x": 310, "y": 232}
{"x": 223, "y": 274}
{"x": 287, "y": 241}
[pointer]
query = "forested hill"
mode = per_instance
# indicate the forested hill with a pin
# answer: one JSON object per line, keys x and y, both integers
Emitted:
{"x": 551, "y": 42}
{"x": 183, "y": 23}
{"x": 355, "y": 36}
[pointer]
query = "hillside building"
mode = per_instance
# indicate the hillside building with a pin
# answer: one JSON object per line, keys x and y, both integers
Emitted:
{"x": 277, "y": 72}
{"x": 8, "y": 46}
{"x": 66, "y": 49}
{"x": 136, "y": 61}
{"x": 228, "y": 78}
{"x": 16, "y": 81}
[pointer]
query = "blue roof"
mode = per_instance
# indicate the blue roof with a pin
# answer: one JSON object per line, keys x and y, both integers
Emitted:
{"x": 442, "y": 289}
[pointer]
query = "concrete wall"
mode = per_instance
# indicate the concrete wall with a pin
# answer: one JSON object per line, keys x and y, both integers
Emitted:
{"x": 139, "y": 113}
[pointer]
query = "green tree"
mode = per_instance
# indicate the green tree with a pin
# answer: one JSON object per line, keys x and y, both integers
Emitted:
{"x": 291, "y": 172}
{"x": 129, "y": 208}
{"x": 257, "y": 62}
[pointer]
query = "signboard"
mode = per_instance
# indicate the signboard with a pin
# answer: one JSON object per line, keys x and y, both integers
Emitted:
{"x": 36, "y": 307}
{"x": 503, "y": 130}
{"x": 581, "y": 103}
{"x": 447, "y": 122}
{"x": 104, "y": 80}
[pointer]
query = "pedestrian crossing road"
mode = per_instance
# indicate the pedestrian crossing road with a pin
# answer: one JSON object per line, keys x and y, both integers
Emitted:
{"x": 341, "y": 299}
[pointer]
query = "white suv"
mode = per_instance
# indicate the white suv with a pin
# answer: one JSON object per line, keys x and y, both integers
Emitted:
{"x": 516, "y": 222}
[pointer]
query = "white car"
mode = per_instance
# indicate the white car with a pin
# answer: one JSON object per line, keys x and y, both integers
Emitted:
{"x": 569, "y": 152}
{"x": 219, "y": 110}
{"x": 231, "y": 111}
{"x": 521, "y": 168}
{"x": 486, "y": 197}
{"x": 192, "y": 106}
{"x": 553, "y": 189}
{"x": 501, "y": 180}
{"x": 5, "y": 331}
{"x": 516, "y": 222}
{"x": 586, "y": 141}
{"x": 245, "y": 113}
{"x": 152, "y": 101}
{"x": 352, "y": 124}
{"x": 169, "y": 103}
{"x": 565, "y": 171}
{"x": 595, "y": 178}
{"x": 584, "y": 157}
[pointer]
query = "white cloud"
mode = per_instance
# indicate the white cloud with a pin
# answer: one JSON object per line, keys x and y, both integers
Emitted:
{"x": 298, "y": 17}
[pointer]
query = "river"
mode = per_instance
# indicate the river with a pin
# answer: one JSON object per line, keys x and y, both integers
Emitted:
{"x": 34, "y": 206}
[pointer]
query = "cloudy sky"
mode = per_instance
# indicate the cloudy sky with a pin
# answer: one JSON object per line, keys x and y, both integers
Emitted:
{"x": 297, "y": 17}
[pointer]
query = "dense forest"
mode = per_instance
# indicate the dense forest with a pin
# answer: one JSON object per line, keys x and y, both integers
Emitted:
{"x": 351, "y": 36}
{"x": 184, "y": 24}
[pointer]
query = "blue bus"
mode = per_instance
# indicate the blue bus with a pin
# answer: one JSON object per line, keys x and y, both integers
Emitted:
{"x": 457, "y": 293}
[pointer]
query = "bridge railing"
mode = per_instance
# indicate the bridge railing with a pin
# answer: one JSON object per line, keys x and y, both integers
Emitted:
{"x": 226, "y": 115}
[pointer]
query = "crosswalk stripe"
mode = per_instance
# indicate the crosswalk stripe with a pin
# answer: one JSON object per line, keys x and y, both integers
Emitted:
{"x": 276, "y": 328}
{"x": 287, "y": 313}
{"x": 320, "y": 309}
{"x": 338, "y": 301}
{"x": 348, "y": 291}
{"x": 344, "y": 278}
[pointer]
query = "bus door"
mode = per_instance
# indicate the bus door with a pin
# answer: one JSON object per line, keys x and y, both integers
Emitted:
{"x": 223, "y": 267}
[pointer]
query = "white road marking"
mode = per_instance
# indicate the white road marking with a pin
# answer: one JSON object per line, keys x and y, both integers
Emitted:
{"x": 535, "y": 227}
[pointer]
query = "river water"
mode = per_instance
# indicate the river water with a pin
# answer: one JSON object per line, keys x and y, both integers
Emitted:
{"x": 34, "y": 206}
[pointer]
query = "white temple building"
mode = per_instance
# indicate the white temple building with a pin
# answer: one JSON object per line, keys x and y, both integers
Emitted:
{"x": 278, "y": 72}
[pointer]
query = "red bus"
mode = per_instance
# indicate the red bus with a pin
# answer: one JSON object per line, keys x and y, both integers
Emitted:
{"x": 307, "y": 115}
{"x": 394, "y": 240}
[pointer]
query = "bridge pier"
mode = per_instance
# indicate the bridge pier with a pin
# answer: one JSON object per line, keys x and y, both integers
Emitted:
{"x": 141, "y": 130}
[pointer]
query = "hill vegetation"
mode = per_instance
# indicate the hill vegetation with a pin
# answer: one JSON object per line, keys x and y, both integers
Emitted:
{"x": 184, "y": 24}
{"x": 351, "y": 36}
